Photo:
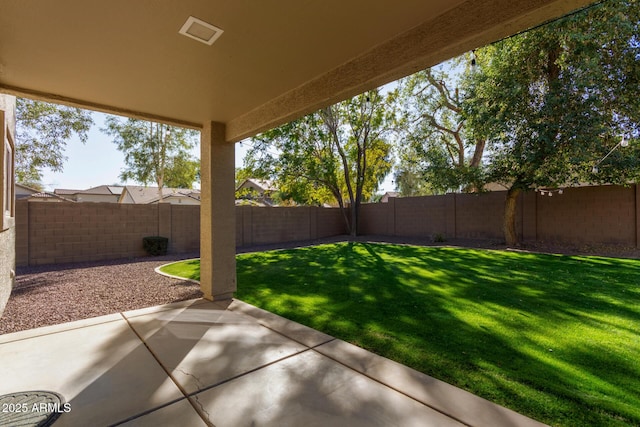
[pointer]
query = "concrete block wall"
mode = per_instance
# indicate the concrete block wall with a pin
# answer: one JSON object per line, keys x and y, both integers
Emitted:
{"x": 48, "y": 233}
{"x": 185, "y": 229}
{"x": 377, "y": 218}
{"x": 22, "y": 233}
{"x": 328, "y": 222}
{"x": 479, "y": 216}
{"x": 420, "y": 216}
{"x": 265, "y": 225}
{"x": 70, "y": 232}
{"x": 593, "y": 215}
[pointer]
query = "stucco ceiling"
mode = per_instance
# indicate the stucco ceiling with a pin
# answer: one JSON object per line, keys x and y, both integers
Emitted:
{"x": 275, "y": 61}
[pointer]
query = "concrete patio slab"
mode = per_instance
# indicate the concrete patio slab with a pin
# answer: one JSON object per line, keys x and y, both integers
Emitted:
{"x": 295, "y": 331}
{"x": 309, "y": 389}
{"x": 47, "y": 330}
{"x": 164, "y": 307}
{"x": 180, "y": 413}
{"x": 445, "y": 398}
{"x": 227, "y": 364}
{"x": 102, "y": 370}
{"x": 205, "y": 345}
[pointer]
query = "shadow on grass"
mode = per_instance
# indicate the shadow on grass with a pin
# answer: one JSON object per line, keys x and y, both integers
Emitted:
{"x": 553, "y": 337}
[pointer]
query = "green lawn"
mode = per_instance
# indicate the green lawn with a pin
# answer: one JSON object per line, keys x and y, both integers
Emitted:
{"x": 553, "y": 337}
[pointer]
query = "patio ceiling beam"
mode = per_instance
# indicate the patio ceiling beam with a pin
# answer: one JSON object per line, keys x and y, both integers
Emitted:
{"x": 79, "y": 103}
{"x": 468, "y": 26}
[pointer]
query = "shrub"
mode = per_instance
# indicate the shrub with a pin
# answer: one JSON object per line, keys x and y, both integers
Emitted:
{"x": 155, "y": 245}
{"x": 439, "y": 238}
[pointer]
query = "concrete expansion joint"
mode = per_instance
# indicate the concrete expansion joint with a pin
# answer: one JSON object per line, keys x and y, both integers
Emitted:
{"x": 193, "y": 399}
{"x": 322, "y": 343}
{"x": 289, "y": 337}
{"x": 373, "y": 378}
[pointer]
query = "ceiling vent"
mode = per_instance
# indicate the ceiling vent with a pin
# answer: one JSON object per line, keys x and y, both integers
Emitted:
{"x": 199, "y": 30}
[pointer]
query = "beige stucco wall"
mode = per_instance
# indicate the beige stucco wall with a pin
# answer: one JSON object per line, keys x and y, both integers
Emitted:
{"x": 7, "y": 231}
{"x": 7, "y": 264}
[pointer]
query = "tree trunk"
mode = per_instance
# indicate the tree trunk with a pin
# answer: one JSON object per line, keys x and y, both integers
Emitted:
{"x": 509, "y": 224}
{"x": 343, "y": 209}
{"x": 346, "y": 218}
{"x": 353, "y": 232}
{"x": 477, "y": 153}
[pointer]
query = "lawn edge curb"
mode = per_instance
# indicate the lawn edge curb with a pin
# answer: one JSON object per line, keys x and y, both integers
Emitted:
{"x": 172, "y": 276}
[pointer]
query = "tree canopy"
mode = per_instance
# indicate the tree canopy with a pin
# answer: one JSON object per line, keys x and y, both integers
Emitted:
{"x": 438, "y": 149}
{"x": 553, "y": 101}
{"x": 340, "y": 153}
{"x": 42, "y": 132}
{"x": 154, "y": 152}
{"x": 182, "y": 171}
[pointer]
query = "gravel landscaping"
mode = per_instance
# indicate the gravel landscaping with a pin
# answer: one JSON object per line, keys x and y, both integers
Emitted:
{"x": 53, "y": 294}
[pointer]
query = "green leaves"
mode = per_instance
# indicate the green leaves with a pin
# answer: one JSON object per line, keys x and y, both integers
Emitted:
{"x": 43, "y": 130}
{"x": 154, "y": 152}
{"x": 439, "y": 146}
{"x": 182, "y": 171}
{"x": 336, "y": 155}
{"x": 540, "y": 109}
{"x": 555, "y": 100}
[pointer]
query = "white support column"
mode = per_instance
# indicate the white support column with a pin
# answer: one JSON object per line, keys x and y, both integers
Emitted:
{"x": 217, "y": 214}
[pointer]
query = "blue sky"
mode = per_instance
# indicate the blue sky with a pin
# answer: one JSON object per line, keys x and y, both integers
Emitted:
{"x": 98, "y": 162}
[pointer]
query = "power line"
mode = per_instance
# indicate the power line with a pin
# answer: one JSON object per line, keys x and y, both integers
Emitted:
{"x": 551, "y": 21}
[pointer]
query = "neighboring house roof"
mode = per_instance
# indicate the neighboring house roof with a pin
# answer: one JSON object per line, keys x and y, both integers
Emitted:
{"x": 259, "y": 184}
{"x": 66, "y": 192}
{"x": 25, "y": 192}
{"x": 144, "y": 195}
{"x": 495, "y": 186}
{"x": 101, "y": 189}
{"x": 178, "y": 195}
{"x": 22, "y": 191}
{"x": 107, "y": 190}
{"x": 385, "y": 198}
{"x": 115, "y": 189}
{"x": 47, "y": 195}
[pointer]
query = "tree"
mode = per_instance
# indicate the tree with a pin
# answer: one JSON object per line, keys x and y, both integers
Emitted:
{"x": 438, "y": 145}
{"x": 554, "y": 100}
{"x": 42, "y": 132}
{"x": 340, "y": 152}
{"x": 241, "y": 175}
{"x": 182, "y": 171}
{"x": 153, "y": 152}
{"x": 409, "y": 175}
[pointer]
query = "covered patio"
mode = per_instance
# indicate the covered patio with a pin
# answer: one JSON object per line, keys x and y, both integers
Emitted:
{"x": 216, "y": 360}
